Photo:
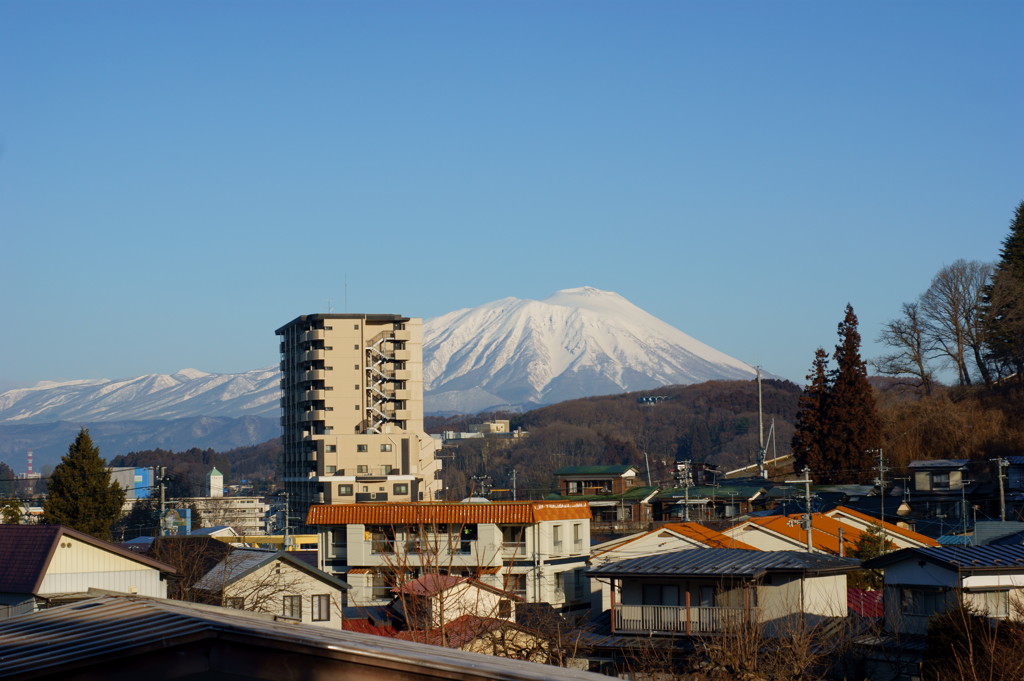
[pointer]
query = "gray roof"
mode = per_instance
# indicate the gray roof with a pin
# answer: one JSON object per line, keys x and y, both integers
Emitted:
{"x": 89, "y": 637}
{"x": 939, "y": 463}
{"x": 241, "y": 562}
{"x": 742, "y": 563}
{"x": 990, "y": 558}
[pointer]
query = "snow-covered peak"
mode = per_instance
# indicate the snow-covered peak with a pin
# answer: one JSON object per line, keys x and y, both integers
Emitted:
{"x": 577, "y": 342}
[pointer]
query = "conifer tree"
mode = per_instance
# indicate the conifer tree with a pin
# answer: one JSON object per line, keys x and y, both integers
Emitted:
{"x": 850, "y": 426}
{"x": 1004, "y": 304}
{"x": 81, "y": 495}
{"x": 807, "y": 440}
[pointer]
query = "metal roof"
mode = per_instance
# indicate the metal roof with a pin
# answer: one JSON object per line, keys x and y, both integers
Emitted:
{"x": 512, "y": 513}
{"x": 724, "y": 563}
{"x": 939, "y": 463}
{"x": 242, "y": 562}
{"x": 82, "y": 638}
{"x": 26, "y": 552}
{"x": 990, "y": 558}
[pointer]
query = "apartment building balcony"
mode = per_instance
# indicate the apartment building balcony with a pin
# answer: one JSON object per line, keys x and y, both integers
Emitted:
{"x": 513, "y": 549}
{"x": 313, "y": 396}
{"x": 678, "y": 619}
{"x": 402, "y": 355}
{"x": 313, "y": 415}
{"x": 401, "y": 375}
{"x": 314, "y": 355}
{"x": 312, "y": 335}
{"x": 401, "y": 335}
{"x": 314, "y": 375}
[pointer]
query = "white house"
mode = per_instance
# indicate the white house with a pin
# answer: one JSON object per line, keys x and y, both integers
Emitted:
{"x": 274, "y": 582}
{"x": 44, "y": 565}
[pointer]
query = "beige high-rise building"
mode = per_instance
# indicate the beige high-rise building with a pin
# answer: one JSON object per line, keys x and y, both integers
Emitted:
{"x": 352, "y": 412}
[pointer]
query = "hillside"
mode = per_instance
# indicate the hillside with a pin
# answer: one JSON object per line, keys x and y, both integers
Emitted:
{"x": 716, "y": 422}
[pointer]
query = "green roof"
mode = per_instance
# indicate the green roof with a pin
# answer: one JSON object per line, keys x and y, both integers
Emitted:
{"x": 594, "y": 470}
{"x": 629, "y": 495}
{"x": 215, "y": 472}
{"x": 723, "y": 492}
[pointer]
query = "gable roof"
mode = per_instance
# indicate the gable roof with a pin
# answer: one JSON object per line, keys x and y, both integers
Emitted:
{"x": 824, "y": 534}
{"x": 419, "y": 513}
{"x": 692, "y": 531}
{"x": 739, "y": 563}
{"x": 28, "y": 549}
{"x": 240, "y": 563}
{"x": 890, "y": 528}
{"x": 965, "y": 559}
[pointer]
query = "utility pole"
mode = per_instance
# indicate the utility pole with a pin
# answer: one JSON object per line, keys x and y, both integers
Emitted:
{"x": 806, "y": 482}
{"x": 881, "y": 485}
{"x": 963, "y": 502}
{"x": 163, "y": 504}
{"x": 513, "y": 484}
{"x": 762, "y": 452}
{"x": 1001, "y": 463}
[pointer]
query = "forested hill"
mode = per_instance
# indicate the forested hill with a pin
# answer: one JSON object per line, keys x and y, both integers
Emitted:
{"x": 715, "y": 422}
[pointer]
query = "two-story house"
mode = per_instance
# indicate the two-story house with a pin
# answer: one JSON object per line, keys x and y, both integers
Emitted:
{"x": 536, "y": 550}
{"x": 708, "y": 591}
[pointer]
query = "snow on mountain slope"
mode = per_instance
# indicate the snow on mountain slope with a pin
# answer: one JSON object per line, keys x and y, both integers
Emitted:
{"x": 505, "y": 354}
{"x": 575, "y": 343}
{"x": 183, "y": 394}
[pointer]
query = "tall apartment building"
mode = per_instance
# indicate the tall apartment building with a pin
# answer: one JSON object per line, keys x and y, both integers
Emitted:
{"x": 352, "y": 412}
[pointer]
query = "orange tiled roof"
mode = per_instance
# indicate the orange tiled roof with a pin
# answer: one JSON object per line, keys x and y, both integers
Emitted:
{"x": 890, "y": 528}
{"x": 695, "y": 531}
{"x": 705, "y": 535}
{"x": 512, "y": 513}
{"x": 825, "y": 535}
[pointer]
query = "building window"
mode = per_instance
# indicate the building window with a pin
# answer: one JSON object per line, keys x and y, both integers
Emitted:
{"x": 329, "y": 470}
{"x": 577, "y": 537}
{"x": 505, "y": 608}
{"x": 362, "y": 469}
{"x": 344, "y": 490}
{"x": 356, "y": 407}
{"x": 292, "y": 607}
{"x": 321, "y": 607}
{"x": 385, "y": 469}
{"x": 361, "y": 448}
{"x": 356, "y": 327}
{"x": 355, "y": 387}
{"x": 385, "y": 448}
{"x": 235, "y": 602}
{"x": 572, "y": 487}
{"x": 556, "y": 538}
{"x": 401, "y": 488}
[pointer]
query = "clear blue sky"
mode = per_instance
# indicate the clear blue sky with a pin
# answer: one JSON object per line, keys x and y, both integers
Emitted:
{"x": 178, "y": 179}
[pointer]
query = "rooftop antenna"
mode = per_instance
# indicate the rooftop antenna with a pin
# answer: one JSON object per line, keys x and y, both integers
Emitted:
{"x": 330, "y": 308}
{"x": 346, "y": 294}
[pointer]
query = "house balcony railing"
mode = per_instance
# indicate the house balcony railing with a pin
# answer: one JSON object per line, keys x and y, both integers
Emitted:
{"x": 647, "y": 619}
{"x": 513, "y": 549}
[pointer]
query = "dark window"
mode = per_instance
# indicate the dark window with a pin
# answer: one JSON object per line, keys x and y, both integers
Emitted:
{"x": 292, "y": 607}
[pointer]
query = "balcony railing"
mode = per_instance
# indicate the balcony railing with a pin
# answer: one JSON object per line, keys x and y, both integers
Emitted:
{"x": 645, "y": 619}
{"x": 513, "y": 549}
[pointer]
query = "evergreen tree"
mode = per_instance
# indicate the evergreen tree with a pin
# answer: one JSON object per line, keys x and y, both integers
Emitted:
{"x": 82, "y": 496}
{"x": 850, "y": 425}
{"x": 1004, "y": 303}
{"x": 808, "y": 438}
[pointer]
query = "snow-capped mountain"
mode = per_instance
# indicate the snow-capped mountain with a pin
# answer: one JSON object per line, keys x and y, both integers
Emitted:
{"x": 575, "y": 343}
{"x": 509, "y": 353}
{"x": 183, "y": 394}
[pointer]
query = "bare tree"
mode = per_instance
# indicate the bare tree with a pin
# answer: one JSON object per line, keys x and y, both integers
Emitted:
{"x": 913, "y": 348}
{"x": 951, "y": 313}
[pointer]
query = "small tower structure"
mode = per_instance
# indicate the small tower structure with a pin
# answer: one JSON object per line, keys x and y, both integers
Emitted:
{"x": 215, "y": 483}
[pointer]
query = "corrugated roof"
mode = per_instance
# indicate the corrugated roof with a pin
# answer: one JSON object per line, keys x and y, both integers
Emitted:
{"x": 990, "y": 558}
{"x": 26, "y": 551}
{"x": 512, "y": 513}
{"x": 724, "y": 563}
{"x": 63, "y": 641}
{"x": 939, "y": 463}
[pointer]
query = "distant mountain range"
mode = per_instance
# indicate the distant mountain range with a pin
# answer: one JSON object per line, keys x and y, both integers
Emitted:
{"x": 511, "y": 353}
